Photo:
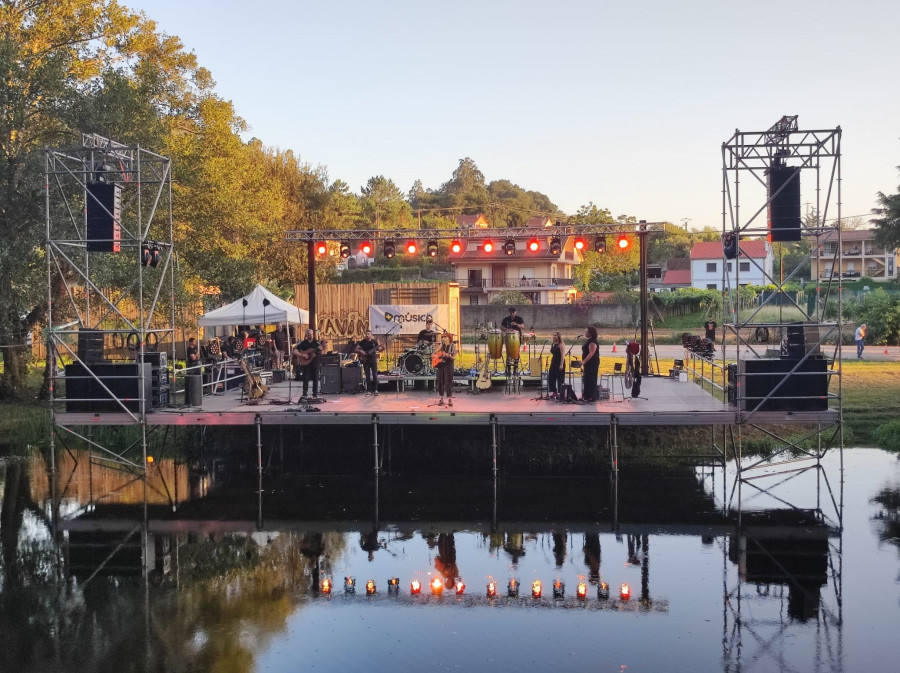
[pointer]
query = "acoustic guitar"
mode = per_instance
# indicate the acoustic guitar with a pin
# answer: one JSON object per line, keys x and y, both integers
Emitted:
{"x": 484, "y": 378}
{"x": 305, "y": 356}
{"x": 437, "y": 358}
{"x": 256, "y": 389}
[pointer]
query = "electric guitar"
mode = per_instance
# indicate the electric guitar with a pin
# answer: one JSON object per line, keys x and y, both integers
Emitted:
{"x": 365, "y": 355}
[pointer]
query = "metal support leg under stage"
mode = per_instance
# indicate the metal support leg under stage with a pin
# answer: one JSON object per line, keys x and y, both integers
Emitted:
{"x": 494, "y": 447}
{"x": 259, "y": 468}
{"x": 614, "y": 446}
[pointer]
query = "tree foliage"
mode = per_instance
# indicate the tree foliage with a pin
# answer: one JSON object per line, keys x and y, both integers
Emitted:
{"x": 887, "y": 224}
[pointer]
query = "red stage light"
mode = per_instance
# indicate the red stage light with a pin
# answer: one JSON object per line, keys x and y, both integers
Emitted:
{"x": 534, "y": 245}
{"x": 455, "y": 247}
{"x": 460, "y": 587}
{"x": 625, "y": 592}
{"x": 581, "y": 591}
{"x": 326, "y": 586}
{"x": 415, "y": 587}
{"x": 365, "y": 247}
{"x": 488, "y": 246}
{"x": 321, "y": 248}
{"x": 411, "y": 248}
{"x": 623, "y": 242}
{"x": 536, "y": 589}
{"x": 437, "y": 586}
{"x": 579, "y": 243}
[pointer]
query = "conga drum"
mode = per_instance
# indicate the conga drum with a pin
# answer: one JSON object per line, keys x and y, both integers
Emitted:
{"x": 511, "y": 341}
{"x": 495, "y": 344}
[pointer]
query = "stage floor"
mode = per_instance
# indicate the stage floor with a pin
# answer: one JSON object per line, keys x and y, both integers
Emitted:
{"x": 663, "y": 401}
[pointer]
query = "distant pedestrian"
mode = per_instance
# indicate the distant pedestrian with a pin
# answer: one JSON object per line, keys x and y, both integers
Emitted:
{"x": 860, "y": 338}
{"x": 710, "y": 328}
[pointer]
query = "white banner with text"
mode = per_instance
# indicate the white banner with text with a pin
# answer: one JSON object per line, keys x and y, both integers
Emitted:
{"x": 407, "y": 319}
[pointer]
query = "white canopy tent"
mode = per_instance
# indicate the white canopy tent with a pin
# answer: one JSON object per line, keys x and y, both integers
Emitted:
{"x": 260, "y": 307}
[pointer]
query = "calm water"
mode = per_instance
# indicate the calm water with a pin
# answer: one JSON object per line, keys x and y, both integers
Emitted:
{"x": 722, "y": 578}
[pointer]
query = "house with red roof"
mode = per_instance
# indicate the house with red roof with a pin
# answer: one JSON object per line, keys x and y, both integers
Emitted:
{"x": 753, "y": 266}
{"x": 677, "y": 274}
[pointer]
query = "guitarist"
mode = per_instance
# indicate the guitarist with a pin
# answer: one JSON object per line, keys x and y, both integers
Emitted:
{"x": 368, "y": 350}
{"x": 306, "y": 354}
{"x": 443, "y": 360}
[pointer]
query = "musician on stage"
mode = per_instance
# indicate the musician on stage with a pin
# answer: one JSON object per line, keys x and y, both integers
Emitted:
{"x": 307, "y": 355}
{"x": 513, "y": 321}
{"x": 427, "y": 335}
{"x": 193, "y": 354}
{"x": 444, "y": 356}
{"x": 280, "y": 339}
{"x": 590, "y": 365}
{"x": 367, "y": 349}
{"x": 557, "y": 373}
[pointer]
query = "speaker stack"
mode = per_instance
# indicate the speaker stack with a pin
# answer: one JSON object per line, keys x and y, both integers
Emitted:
{"x": 123, "y": 379}
{"x": 90, "y": 345}
{"x": 159, "y": 378}
{"x": 784, "y": 206}
{"x": 104, "y": 212}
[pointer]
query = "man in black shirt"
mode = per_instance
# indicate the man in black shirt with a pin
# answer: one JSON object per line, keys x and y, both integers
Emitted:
{"x": 193, "y": 354}
{"x": 513, "y": 321}
{"x": 710, "y": 328}
{"x": 428, "y": 335}
{"x": 280, "y": 339}
{"x": 368, "y": 349}
{"x": 306, "y": 353}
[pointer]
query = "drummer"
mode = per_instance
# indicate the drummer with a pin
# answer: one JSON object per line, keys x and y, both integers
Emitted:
{"x": 513, "y": 321}
{"x": 427, "y": 336}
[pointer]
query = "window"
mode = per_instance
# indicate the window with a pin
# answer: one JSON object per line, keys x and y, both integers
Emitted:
{"x": 728, "y": 266}
{"x": 744, "y": 266}
{"x": 830, "y": 248}
{"x": 712, "y": 286}
{"x": 473, "y": 300}
{"x": 711, "y": 267}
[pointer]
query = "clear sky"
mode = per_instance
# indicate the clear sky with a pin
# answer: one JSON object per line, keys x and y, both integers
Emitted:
{"x": 625, "y": 104}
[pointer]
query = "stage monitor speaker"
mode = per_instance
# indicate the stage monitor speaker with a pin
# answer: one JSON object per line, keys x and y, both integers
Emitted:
{"x": 331, "y": 379}
{"x": 104, "y": 212}
{"x": 350, "y": 379}
{"x": 331, "y": 359}
{"x": 784, "y": 207}
{"x": 193, "y": 390}
{"x": 90, "y": 345}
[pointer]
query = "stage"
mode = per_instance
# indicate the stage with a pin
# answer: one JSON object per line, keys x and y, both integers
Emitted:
{"x": 663, "y": 402}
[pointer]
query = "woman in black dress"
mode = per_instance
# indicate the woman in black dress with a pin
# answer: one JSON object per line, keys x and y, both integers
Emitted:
{"x": 590, "y": 365}
{"x": 557, "y": 373}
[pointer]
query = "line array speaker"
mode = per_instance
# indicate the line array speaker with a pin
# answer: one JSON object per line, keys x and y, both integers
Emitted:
{"x": 104, "y": 212}
{"x": 784, "y": 207}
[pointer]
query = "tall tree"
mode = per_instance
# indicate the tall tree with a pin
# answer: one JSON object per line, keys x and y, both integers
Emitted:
{"x": 383, "y": 204}
{"x": 887, "y": 224}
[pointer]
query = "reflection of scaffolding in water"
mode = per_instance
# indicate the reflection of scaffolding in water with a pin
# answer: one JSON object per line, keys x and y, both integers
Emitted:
{"x": 789, "y": 562}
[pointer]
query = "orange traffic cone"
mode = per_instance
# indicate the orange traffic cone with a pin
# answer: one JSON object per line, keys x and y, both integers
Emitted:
{"x": 885, "y": 350}
{"x": 614, "y": 347}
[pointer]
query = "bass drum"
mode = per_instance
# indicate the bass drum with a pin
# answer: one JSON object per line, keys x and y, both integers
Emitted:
{"x": 495, "y": 344}
{"x": 412, "y": 363}
{"x": 511, "y": 341}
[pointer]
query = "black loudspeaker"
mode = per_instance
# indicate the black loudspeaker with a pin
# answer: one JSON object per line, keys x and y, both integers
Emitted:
{"x": 104, "y": 212}
{"x": 350, "y": 379}
{"x": 193, "y": 390}
{"x": 84, "y": 393}
{"x": 90, "y": 345}
{"x": 809, "y": 383}
{"x": 784, "y": 208}
{"x": 331, "y": 359}
{"x": 331, "y": 379}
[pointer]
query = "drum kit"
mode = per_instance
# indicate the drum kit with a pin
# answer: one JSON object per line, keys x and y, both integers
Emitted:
{"x": 417, "y": 361}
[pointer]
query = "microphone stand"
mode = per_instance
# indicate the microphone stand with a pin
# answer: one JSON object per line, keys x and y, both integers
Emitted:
{"x": 569, "y": 357}
{"x": 387, "y": 343}
{"x": 541, "y": 374}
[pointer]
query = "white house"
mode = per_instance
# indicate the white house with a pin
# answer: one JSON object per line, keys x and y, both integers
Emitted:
{"x": 753, "y": 267}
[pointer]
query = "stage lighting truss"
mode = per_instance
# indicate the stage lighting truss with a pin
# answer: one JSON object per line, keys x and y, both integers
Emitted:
{"x": 344, "y": 249}
{"x": 432, "y": 248}
{"x": 509, "y": 247}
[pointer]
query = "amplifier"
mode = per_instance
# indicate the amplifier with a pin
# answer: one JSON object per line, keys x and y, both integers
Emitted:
{"x": 330, "y": 359}
{"x": 331, "y": 379}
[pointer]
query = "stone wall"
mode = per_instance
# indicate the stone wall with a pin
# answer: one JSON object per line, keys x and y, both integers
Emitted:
{"x": 554, "y": 316}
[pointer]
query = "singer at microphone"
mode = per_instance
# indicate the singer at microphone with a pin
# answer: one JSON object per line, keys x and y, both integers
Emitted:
{"x": 557, "y": 372}
{"x": 590, "y": 365}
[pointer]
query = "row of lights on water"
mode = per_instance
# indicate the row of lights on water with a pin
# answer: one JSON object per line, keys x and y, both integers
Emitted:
{"x": 437, "y": 586}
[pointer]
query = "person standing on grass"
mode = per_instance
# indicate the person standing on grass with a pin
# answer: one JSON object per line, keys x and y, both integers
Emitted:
{"x": 860, "y": 338}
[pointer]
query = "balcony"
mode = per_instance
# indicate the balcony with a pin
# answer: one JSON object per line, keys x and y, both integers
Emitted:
{"x": 530, "y": 284}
